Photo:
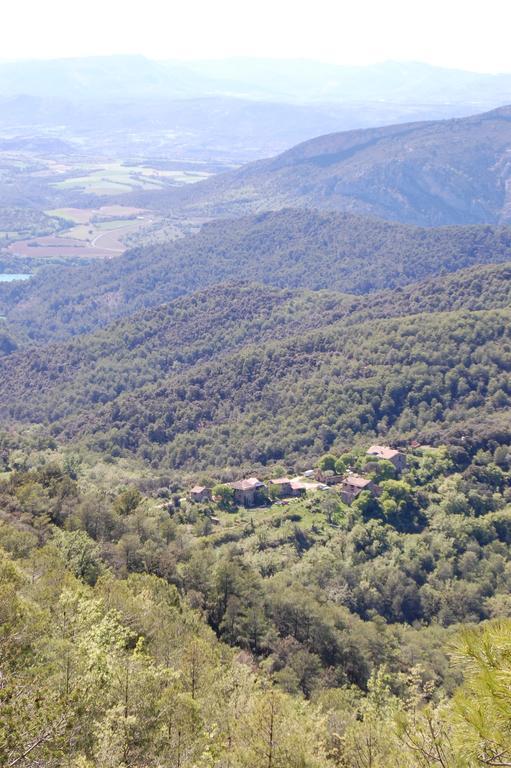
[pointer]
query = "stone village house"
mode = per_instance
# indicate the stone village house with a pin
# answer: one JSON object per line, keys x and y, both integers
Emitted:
{"x": 397, "y": 458}
{"x": 284, "y": 486}
{"x": 200, "y": 494}
{"x": 353, "y": 485}
{"x": 247, "y": 492}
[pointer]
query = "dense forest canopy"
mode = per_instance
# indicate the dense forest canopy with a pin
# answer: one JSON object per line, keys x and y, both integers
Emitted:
{"x": 287, "y": 249}
{"x": 249, "y": 375}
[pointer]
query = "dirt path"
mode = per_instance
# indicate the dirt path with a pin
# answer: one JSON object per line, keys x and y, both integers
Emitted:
{"x": 112, "y": 236}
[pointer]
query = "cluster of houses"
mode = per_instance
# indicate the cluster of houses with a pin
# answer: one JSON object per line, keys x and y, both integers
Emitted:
{"x": 251, "y": 491}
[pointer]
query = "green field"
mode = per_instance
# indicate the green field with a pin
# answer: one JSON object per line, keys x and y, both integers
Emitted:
{"x": 90, "y": 230}
{"x": 64, "y": 213}
{"x": 113, "y": 178}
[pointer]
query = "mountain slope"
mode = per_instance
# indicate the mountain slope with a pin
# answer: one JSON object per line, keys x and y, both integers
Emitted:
{"x": 287, "y": 249}
{"x": 243, "y": 374}
{"x": 293, "y": 400}
{"x": 434, "y": 173}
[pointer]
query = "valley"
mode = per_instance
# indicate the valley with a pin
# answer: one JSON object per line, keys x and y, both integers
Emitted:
{"x": 56, "y": 207}
{"x": 255, "y": 415}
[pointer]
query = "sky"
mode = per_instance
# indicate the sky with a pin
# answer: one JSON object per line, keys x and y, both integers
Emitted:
{"x": 465, "y": 34}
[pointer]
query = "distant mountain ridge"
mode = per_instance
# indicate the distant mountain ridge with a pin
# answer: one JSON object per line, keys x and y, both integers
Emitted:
{"x": 389, "y": 81}
{"x": 431, "y": 173}
{"x": 301, "y": 81}
{"x": 132, "y": 106}
{"x": 99, "y": 78}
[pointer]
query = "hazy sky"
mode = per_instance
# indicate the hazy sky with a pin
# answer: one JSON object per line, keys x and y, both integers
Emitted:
{"x": 471, "y": 34}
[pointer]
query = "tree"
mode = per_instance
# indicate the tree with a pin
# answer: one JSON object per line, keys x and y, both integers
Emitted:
{"x": 330, "y": 506}
{"x": 225, "y": 494}
{"x": 400, "y": 506}
{"x": 366, "y": 505}
{"x": 368, "y": 739}
{"x": 344, "y": 462}
{"x": 279, "y": 733}
{"x": 80, "y": 553}
{"x": 128, "y": 501}
{"x": 384, "y": 470}
{"x": 482, "y": 706}
{"x": 327, "y": 462}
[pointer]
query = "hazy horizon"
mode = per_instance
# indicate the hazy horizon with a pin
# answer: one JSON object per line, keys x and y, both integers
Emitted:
{"x": 253, "y": 58}
{"x": 454, "y": 35}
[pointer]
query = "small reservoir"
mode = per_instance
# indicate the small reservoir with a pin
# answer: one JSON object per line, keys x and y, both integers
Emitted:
{"x": 7, "y": 278}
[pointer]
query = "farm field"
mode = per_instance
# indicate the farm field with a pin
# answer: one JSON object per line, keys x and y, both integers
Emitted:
{"x": 84, "y": 215}
{"x": 55, "y": 203}
{"x": 115, "y": 178}
{"x": 97, "y": 233}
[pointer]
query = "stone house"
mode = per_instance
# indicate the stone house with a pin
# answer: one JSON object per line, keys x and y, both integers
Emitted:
{"x": 353, "y": 485}
{"x": 397, "y": 458}
{"x": 282, "y": 486}
{"x": 286, "y": 487}
{"x": 298, "y": 488}
{"x": 199, "y": 494}
{"x": 248, "y": 492}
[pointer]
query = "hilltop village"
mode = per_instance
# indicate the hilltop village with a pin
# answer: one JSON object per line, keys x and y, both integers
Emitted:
{"x": 349, "y": 475}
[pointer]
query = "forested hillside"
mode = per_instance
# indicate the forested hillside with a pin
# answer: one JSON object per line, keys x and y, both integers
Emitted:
{"x": 430, "y": 173}
{"x": 291, "y": 400}
{"x": 246, "y": 375}
{"x": 288, "y": 249}
{"x": 138, "y": 627}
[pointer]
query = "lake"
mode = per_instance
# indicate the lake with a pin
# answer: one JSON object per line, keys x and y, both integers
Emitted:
{"x": 5, "y": 278}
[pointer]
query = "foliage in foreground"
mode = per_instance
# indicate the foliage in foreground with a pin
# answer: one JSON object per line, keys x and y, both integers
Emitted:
{"x": 133, "y": 633}
{"x": 126, "y": 674}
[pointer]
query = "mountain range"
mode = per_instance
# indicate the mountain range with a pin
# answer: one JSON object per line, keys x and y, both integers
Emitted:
{"x": 428, "y": 173}
{"x": 279, "y": 334}
{"x": 233, "y": 110}
{"x": 104, "y": 78}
